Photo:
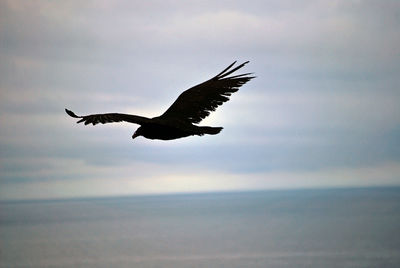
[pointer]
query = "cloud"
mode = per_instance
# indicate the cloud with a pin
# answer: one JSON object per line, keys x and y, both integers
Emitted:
{"x": 110, "y": 185}
{"x": 325, "y": 97}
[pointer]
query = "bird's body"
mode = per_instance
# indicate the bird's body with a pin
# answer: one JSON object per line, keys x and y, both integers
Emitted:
{"x": 157, "y": 129}
{"x": 190, "y": 108}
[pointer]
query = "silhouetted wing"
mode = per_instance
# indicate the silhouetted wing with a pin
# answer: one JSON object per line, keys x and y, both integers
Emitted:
{"x": 108, "y": 118}
{"x": 196, "y": 103}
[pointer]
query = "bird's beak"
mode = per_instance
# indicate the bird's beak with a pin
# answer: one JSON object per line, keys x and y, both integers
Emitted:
{"x": 134, "y": 135}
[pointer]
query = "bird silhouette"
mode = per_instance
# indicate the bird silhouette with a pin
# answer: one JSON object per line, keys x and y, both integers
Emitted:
{"x": 192, "y": 106}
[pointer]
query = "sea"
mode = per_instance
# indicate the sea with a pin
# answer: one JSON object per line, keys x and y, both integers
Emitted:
{"x": 276, "y": 228}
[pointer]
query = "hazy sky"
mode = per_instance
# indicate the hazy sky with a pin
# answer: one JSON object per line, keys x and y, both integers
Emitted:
{"x": 323, "y": 111}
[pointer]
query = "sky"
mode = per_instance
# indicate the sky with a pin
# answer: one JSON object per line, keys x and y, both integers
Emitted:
{"x": 323, "y": 111}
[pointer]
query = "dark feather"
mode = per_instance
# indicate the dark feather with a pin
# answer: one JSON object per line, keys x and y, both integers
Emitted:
{"x": 108, "y": 118}
{"x": 70, "y": 113}
{"x": 196, "y": 103}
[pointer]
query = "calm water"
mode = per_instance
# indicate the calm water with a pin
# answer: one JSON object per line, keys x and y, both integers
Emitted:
{"x": 302, "y": 228}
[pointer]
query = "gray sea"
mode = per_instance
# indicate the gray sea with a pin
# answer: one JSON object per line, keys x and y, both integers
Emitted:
{"x": 296, "y": 228}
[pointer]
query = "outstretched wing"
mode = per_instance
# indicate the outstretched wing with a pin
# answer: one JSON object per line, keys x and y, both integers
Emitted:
{"x": 196, "y": 103}
{"x": 108, "y": 118}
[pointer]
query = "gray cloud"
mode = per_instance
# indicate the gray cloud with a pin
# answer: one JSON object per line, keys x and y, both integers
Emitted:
{"x": 325, "y": 98}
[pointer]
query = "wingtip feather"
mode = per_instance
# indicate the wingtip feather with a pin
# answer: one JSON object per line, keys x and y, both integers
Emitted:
{"x": 227, "y": 70}
{"x": 72, "y": 114}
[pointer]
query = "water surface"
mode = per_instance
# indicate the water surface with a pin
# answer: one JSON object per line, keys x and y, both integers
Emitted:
{"x": 298, "y": 228}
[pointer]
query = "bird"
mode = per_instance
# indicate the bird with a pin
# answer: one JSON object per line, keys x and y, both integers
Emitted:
{"x": 189, "y": 109}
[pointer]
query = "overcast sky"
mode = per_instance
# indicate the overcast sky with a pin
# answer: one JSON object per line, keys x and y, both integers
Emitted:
{"x": 324, "y": 110}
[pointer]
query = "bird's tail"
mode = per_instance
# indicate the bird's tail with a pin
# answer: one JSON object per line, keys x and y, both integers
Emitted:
{"x": 210, "y": 130}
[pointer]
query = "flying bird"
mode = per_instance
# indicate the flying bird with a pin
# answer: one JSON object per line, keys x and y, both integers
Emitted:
{"x": 180, "y": 119}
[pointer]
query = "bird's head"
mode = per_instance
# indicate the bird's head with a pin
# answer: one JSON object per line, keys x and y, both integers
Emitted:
{"x": 137, "y": 133}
